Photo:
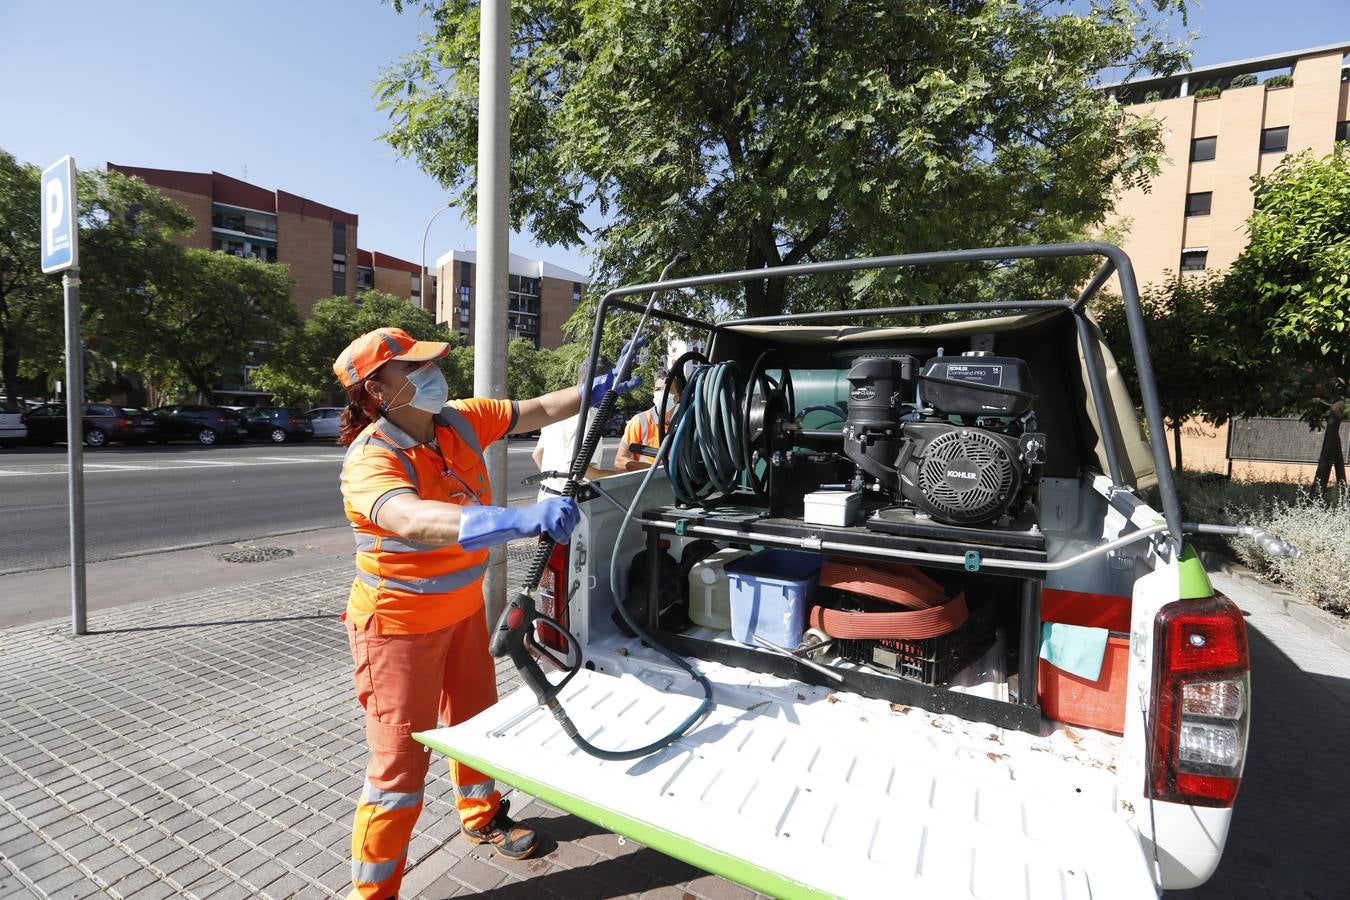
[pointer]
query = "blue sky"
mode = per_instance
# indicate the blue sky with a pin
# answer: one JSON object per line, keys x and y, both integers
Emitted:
{"x": 279, "y": 92}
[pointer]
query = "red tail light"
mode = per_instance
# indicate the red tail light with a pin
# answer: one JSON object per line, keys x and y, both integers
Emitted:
{"x": 123, "y": 423}
{"x": 551, "y": 599}
{"x": 221, "y": 419}
{"x": 295, "y": 421}
{"x": 1202, "y": 691}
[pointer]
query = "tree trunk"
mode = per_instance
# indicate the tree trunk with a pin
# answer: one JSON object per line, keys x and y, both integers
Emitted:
{"x": 1176, "y": 444}
{"x": 1331, "y": 455}
{"x": 763, "y": 298}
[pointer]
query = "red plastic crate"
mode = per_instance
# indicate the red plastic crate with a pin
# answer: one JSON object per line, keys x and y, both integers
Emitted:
{"x": 1109, "y": 611}
{"x": 1095, "y": 704}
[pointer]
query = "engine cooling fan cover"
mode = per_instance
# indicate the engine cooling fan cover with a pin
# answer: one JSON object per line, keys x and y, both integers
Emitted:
{"x": 965, "y": 475}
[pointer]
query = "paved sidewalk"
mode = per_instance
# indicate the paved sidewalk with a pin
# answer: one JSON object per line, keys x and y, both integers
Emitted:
{"x": 211, "y": 747}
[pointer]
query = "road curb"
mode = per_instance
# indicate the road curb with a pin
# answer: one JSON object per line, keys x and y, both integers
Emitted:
{"x": 1314, "y": 618}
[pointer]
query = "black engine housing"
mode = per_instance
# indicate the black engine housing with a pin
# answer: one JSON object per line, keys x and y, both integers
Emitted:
{"x": 960, "y": 474}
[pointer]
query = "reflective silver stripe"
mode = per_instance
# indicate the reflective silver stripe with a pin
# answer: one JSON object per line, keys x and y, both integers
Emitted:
{"x": 366, "y": 543}
{"x": 385, "y": 498}
{"x": 437, "y": 584}
{"x": 351, "y": 370}
{"x": 375, "y": 872}
{"x": 390, "y": 342}
{"x": 479, "y": 791}
{"x": 390, "y": 799}
{"x": 457, "y": 420}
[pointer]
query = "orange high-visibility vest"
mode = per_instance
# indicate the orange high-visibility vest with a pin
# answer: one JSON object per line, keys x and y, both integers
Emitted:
{"x": 411, "y": 587}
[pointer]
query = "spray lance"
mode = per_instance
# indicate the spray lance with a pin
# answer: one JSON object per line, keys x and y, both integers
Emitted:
{"x": 515, "y": 632}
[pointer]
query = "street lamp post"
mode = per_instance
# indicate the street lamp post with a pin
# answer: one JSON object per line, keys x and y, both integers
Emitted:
{"x": 426, "y": 231}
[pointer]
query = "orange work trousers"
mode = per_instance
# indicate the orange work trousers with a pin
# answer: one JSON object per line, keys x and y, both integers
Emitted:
{"x": 404, "y": 682}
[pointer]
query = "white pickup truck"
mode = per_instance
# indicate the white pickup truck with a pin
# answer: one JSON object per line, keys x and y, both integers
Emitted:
{"x": 823, "y": 773}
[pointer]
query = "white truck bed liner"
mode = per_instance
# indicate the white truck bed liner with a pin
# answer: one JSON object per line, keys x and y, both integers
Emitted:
{"x": 796, "y": 791}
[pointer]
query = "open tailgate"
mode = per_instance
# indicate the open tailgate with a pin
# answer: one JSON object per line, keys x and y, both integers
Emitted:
{"x": 814, "y": 798}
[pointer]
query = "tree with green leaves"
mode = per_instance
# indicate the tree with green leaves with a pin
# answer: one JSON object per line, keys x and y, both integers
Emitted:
{"x": 1290, "y": 292}
{"x": 205, "y": 318}
{"x": 300, "y": 367}
{"x": 127, "y": 231}
{"x": 1195, "y": 363}
{"x": 762, "y": 133}
{"x": 30, "y": 302}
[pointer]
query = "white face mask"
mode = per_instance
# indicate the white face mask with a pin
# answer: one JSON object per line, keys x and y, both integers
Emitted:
{"x": 672, "y": 400}
{"x": 429, "y": 390}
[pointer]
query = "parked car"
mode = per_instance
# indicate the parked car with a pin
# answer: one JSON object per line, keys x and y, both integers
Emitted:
{"x": 279, "y": 424}
{"x": 326, "y": 420}
{"x": 206, "y": 425}
{"x": 614, "y": 424}
{"x": 145, "y": 425}
{"x": 103, "y": 424}
{"x": 12, "y": 429}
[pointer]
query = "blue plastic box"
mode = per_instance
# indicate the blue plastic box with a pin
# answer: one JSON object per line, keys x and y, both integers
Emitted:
{"x": 770, "y": 593}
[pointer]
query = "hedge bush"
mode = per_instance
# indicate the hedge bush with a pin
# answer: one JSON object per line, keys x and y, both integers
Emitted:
{"x": 1153, "y": 96}
{"x": 1205, "y": 93}
{"x": 1244, "y": 80}
{"x": 1318, "y": 527}
{"x": 1280, "y": 81}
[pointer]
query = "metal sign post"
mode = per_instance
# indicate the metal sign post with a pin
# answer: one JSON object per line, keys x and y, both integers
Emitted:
{"x": 61, "y": 253}
{"x": 489, "y": 314}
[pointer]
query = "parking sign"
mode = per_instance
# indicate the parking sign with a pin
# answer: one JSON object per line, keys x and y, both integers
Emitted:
{"x": 60, "y": 232}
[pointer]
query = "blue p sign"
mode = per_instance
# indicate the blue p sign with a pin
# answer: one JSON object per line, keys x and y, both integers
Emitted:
{"x": 60, "y": 232}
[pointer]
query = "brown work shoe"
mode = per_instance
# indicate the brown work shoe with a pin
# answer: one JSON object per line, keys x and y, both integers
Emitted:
{"x": 508, "y": 838}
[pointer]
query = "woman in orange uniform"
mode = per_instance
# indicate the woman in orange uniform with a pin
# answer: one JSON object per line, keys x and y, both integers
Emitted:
{"x": 415, "y": 489}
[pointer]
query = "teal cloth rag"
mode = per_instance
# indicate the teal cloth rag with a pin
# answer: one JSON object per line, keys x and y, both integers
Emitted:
{"x": 1076, "y": 649}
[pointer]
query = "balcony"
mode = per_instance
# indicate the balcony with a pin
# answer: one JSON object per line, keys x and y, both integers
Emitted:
{"x": 238, "y": 222}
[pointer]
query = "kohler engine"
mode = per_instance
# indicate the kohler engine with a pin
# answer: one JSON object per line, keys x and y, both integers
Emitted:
{"x": 965, "y": 452}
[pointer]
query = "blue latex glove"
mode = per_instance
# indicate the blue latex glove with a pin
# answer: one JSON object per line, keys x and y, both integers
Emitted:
{"x": 487, "y": 526}
{"x": 604, "y": 383}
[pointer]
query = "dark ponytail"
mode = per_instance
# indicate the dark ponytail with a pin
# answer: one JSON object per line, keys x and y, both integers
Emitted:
{"x": 362, "y": 408}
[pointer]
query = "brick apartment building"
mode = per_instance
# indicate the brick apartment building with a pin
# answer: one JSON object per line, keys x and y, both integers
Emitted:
{"x": 1192, "y": 217}
{"x": 382, "y": 272}
{"x": 318, "y": 242}
{"x": 540, "y": 296}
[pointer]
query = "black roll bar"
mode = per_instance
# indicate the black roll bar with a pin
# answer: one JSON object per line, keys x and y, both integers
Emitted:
{"x": 1116, "y": 262}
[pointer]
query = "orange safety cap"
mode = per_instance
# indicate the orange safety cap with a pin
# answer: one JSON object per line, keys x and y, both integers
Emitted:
{"x": 375, "y": 348}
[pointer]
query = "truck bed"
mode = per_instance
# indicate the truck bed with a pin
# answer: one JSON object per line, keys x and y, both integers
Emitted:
{"x": 801, "y": 791}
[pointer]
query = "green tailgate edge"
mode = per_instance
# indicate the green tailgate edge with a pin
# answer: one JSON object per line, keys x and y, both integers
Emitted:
{"x": 678, "y": 846}
{"x": 1194, "y": 581}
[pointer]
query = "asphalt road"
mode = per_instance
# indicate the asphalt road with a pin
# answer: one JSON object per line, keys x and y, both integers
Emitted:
{"x": 150, "y": 499}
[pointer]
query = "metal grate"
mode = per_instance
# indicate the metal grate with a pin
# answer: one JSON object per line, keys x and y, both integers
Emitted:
{"x": 1278, "y": 440}
{"x": 256, "y": 555}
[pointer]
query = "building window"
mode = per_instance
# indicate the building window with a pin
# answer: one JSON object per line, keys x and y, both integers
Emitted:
{"x": 365, "y": 278}
{"x": 340, "y": 240}
{"x": 466, "y": 272}
{"x": 463, "y": 305}
{"x": 1203, "y": 149}
{"x": 1193, "y": 260}
{"x": 577, "y": 289}
{"x": 1275, "y": 140}
{"x": 1343, "y": 131}
{"x": 415, "y": 285}
{"x": 1198, "y": 204}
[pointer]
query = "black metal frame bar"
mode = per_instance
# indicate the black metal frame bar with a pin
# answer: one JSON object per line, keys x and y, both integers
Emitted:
{"x": 1116, "y": 262}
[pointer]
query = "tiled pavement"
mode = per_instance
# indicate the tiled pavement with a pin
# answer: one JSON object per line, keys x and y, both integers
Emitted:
{"x": 211, "y": 748}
